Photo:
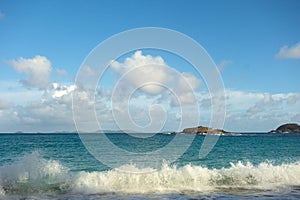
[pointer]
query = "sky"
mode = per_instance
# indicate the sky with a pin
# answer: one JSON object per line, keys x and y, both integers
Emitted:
{"x": 254, "y": 44}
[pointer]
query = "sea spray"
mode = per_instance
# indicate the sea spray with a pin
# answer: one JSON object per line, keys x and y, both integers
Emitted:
{"x": 33, "y": 174}
{"x": 170, "y": 179}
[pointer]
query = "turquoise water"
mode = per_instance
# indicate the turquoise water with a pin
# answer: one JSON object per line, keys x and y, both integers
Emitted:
{"x": 58, "y": 166}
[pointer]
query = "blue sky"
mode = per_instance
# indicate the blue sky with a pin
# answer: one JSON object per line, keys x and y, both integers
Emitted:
{"x": 244, "y": 39}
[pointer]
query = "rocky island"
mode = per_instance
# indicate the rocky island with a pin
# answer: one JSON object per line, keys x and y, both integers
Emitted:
{"x": 287, "y": 128}
{"x": 202, "y": 130}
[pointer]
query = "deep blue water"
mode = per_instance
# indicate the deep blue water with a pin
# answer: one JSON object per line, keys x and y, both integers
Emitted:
{"x": 47, "y": 166}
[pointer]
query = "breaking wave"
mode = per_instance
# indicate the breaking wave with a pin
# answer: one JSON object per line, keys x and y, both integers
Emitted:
{"x": 33, "y": 174}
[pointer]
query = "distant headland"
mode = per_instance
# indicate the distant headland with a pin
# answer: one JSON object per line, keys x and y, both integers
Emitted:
{"x": 202, "y": 130}
{"x": 287, "y": 128}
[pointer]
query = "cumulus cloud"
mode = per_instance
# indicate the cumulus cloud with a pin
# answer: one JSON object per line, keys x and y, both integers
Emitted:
{"x": 37, "y": 70}
{"x": 140, "y": 69}
{"x": 186, "y": 82}
{"x": 287, "y": 52}
{"x": 58, "y": 91}
{"x": 185, "y": 88}
{"x": 52, "y": 112}
{"x": 153, "y": 76}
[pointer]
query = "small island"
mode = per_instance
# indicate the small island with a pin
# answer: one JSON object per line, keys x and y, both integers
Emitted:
{"x": 202, "y": 130}
{"x": 287, "y": 128}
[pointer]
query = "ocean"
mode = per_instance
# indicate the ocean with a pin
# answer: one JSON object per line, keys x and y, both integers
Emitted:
{"x": 240, "y": 166}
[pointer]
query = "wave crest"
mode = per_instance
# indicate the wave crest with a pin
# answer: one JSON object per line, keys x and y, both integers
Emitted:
{"x": 265, "y": 176}
{"x": 34, "y": 174}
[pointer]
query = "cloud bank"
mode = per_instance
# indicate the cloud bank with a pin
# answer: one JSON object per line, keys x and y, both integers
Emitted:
{"x": 246, "y": 111}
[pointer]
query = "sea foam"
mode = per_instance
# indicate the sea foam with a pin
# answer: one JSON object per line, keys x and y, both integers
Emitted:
{"x": 189, "y": 178}
{"x": 33, "y": 174}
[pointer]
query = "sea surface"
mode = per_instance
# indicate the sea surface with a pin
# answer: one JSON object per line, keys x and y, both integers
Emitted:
{"x": 240, "y": 166}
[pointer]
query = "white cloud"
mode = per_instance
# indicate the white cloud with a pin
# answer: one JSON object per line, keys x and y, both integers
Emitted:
{"x": 4, "y": 105}
{"x": 21, "y": 97}
{"x": 11, "y": 91}
{"x": 246, "y": 111}
{"x": 52, "y": 112}
{"x": 140, "y": 69}
{"x": 274, "y": 102}
{"x": 51, "y": 108}
{"x": 37, "y": 70}
{"x": 287, "y": 52}
{"x": 56, "y": 90}
{"x": 185, "y": 89}
{"x": 186, "y": 82}
{"x": 153, "y": 76}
